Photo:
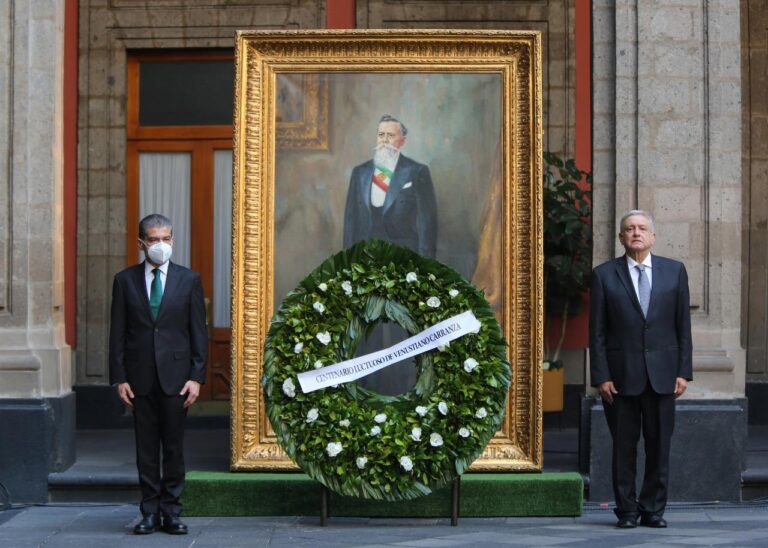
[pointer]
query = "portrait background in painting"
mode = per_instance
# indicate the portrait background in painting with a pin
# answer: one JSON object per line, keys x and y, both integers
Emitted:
{"x": 453, "y": 123}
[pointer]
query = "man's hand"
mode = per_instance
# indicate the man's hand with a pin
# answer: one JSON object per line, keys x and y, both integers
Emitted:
{"x": 680, "y": 385}
{"x": 607, "y": 390}
{"x": 192, "y": 390}
{"x": 125, "y": 393}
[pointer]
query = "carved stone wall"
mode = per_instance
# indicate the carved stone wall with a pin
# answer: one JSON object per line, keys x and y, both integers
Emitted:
{"x": 108, "y": 29}
{"x": 34, "y": 360}
{"x": 667, "y": 138}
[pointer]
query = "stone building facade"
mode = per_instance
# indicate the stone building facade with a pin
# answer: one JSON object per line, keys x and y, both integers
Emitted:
{"x": 669, "y": 112}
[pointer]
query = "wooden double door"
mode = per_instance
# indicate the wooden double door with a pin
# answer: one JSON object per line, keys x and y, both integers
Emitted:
{"x": 179, "y": 164}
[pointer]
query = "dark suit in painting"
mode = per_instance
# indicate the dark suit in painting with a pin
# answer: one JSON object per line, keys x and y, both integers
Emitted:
{"x": 643, "y": 357}
{"x": 157, "y": 357}
{"x": 408, "y": 216}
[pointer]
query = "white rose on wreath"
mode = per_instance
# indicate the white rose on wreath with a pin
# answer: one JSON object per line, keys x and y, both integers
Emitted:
{"x": 297, "y": 348}
{"x": 411, "y": 277}
{"x": 289, "y": 389}
{"x": 323, "y": 287}
{"x": 470, "y": 364}
{"x": 361, "y": 462}
{"x": 453, "y": 293}
{"x": 376, "y": 430}
{"x": 333, "y": 448}
{"x": 312, "y": 415}
{"x": 318, "y": 364}
{"x": 344, "y": 423}
{"x": 320, "y": 307}
{"x": 421, "y": 410}
{"x": 481, "y": 413}
{"x": 433, "y": 302}
{"x": 435, "y": 439}
{"x": 346, "y": 285}
{"x": 463, "y": 432}
{"x": 324, "y": 337}
{"x": 406, "y": 463}
{"x": 443, "y": 408}
{"x": 416, "y": 433}
{"x": 380, "y": 418}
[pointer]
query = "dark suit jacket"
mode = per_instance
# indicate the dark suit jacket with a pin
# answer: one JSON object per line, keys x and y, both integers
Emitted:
{"x": 625, "y": 347}
{"x": 175, "y": 345}
{"x": 410, "y": 211}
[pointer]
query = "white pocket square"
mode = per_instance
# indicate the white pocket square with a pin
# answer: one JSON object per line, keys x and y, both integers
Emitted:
{"x": 409, "y": 184}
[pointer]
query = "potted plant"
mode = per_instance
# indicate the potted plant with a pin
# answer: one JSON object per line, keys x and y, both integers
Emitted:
{"x": 567, "y": 259}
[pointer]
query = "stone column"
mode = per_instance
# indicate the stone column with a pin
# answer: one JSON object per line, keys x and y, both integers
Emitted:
{"x": 36, "y": 402}
{"x": 667, "y": 138}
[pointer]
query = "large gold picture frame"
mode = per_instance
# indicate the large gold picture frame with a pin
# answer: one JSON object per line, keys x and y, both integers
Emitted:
{"x": 474, "y": 98}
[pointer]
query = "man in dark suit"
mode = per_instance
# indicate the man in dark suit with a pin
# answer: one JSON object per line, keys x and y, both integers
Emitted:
{"x": 391, "y": 197}
{"x": 158, "y": 349}
{"x": 640, "y": 361}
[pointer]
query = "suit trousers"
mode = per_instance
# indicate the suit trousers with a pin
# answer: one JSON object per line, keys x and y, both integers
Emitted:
{"x": 654, "y": 414}
{"x": 159, "y": 426}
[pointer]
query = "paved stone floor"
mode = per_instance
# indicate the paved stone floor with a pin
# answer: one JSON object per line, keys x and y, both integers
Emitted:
{"x": 96, "y": 526}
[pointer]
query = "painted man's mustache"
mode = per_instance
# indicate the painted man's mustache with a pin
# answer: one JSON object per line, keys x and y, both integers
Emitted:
{"x": 385, "y": 146}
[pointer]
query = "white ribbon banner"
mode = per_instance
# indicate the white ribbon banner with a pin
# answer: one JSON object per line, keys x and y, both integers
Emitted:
{"x": 356, "y": 368}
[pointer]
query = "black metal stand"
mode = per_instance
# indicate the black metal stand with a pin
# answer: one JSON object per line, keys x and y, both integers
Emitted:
{"x": 455, "y": 501}
{"x": 323, "y": 506}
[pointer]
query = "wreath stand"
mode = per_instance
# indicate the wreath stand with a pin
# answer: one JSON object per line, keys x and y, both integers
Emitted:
{"x": 455, "y": 492}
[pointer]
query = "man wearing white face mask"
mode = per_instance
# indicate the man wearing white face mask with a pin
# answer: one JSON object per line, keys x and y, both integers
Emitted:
{"x": 158, "y": 347}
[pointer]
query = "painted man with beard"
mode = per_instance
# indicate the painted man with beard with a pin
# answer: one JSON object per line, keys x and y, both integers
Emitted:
{"x": 391, "y": 197}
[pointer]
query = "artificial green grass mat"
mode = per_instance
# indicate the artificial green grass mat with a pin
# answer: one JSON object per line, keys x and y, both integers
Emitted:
{"x": 295, "y": 494}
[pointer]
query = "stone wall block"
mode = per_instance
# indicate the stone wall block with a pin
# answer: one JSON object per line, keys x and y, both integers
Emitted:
{"x": 679, "y": 62}
{"x": 725, "y": 61}
{"x": 681, "y": 133}
{"x": 725, "y": 132}
{"x": 724, "y": 169}
{"x": 725, "y": 97}
{"x": 666, "y": 24}
{"x": 664, "y": 167}
{"x": 675, "y": 237}
{"x": 665, "y": 95}
{"x": 97, "y": 154}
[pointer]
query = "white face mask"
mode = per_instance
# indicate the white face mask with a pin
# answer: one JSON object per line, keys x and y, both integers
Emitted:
{"x": 160, "y": 253}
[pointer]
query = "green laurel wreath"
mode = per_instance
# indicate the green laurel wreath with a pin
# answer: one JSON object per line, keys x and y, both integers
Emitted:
{"x": 360, "y": 443}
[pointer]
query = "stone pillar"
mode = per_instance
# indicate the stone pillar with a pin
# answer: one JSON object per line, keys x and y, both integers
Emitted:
{"x": 36, "y": 400}
{"x": 667, "y": 138}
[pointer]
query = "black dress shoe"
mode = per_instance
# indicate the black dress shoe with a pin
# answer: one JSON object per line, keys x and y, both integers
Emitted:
{"x": 627, "y": 522}
{"x": 656, "y": 522}
{"x": 174, "y": 526}
{"x": 147, "y": 525}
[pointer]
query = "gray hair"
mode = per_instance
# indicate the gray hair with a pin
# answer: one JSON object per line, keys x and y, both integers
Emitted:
{"x": 633, "y": 212}
{"x": 154, "y": 220}
{"x": 388, "y": 118}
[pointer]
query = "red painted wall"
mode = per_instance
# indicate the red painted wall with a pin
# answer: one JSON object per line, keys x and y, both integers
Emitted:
{"x": 70, "y": 170}
{"x": 340, "y": 14}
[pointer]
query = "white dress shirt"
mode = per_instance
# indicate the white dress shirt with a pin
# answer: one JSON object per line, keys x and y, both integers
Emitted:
{"x": 635, "y": 273}
{"x": 148, "y": 276}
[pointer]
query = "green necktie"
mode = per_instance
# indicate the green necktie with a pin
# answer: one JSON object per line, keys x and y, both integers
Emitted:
{"x": 155, "y": 293}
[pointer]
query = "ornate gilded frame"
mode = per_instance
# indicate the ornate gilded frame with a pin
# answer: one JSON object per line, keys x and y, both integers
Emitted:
{"x": 516, "y": 57}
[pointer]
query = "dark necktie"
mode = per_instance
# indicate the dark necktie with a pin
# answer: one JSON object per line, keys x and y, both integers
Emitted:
{"x": 643, "y": 289}
{"x": 155, "y": 293}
